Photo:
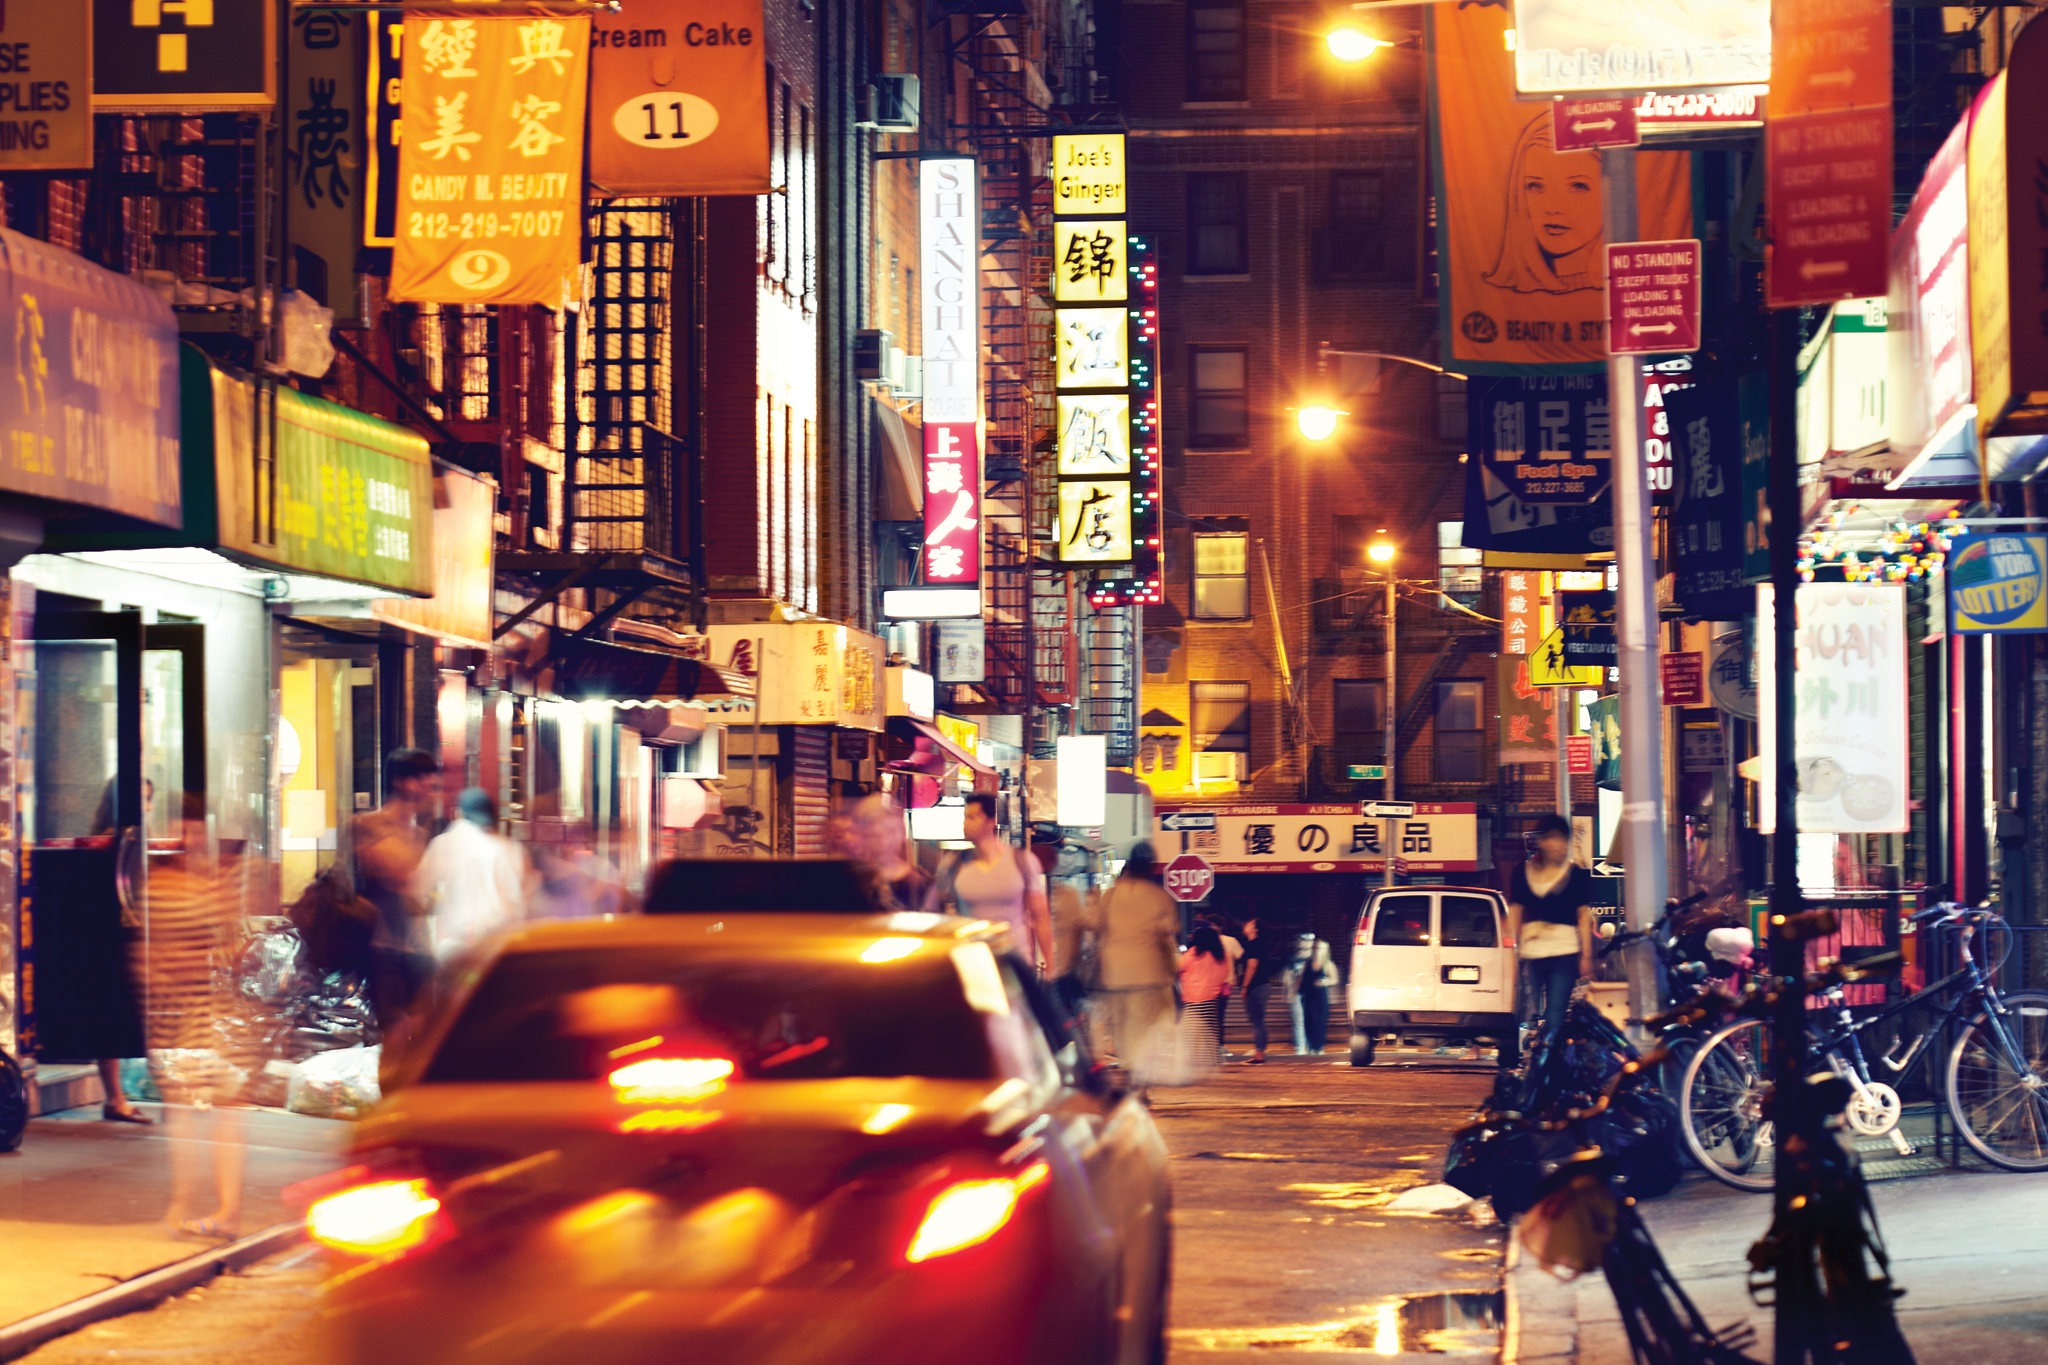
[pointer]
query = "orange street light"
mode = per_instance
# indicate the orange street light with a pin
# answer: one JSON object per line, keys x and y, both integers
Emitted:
{"x": 1350, "y": 45}
{"x": 1318, "y": 424}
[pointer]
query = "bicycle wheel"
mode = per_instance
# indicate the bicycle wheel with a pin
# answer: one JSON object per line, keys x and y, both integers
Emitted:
{"x": 2000, "y": 1103}
{"x": 1721, "y": 1106}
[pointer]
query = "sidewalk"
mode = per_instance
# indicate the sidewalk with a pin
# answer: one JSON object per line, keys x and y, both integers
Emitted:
{"x": 1967, "y": 1246}
{"x": 80, "y": 1202}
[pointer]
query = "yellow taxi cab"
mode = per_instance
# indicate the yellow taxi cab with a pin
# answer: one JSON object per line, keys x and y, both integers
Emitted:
{"x": 762, "y": 1122}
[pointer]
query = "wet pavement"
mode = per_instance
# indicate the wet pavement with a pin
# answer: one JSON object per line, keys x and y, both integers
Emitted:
{"x": 1286, "y": 1241}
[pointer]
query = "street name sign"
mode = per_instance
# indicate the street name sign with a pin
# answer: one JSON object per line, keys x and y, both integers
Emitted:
{"x": 1584, "y": 125}
{"x": 1366, "y": 772}
{"x": 1653, "y": 297}
{"x": 1604, "y": 868}
{"x": 1188, "y": 819}
{"x": 1189, "y": 877}
{"x": 1387, "y": 810}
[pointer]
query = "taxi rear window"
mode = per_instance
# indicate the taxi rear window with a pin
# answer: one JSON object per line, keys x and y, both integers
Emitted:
{"x": 576, "y": 1014}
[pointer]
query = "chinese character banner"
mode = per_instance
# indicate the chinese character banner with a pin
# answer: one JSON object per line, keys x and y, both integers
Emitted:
{"x": 1850, "y": 743}
{"x": 490, "y": 159}
{"x": 1095, "y": 436}
{"x": 1089, "y": 262}
{"x": 1439, "y": 837}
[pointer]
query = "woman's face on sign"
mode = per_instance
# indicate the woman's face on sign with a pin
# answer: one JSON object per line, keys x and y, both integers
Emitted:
{"x": 1562, "y": 192}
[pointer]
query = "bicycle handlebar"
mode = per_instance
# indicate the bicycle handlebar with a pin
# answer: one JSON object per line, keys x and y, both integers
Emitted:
{"x": 1949, "y": 910}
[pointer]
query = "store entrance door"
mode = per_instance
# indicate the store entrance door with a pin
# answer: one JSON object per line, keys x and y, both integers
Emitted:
{"x": 120, "y": 742}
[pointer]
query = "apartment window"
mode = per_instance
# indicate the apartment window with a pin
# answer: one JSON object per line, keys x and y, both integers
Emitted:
{"x": 1222, "y": 585}
{"x": 1356, "y": 197}
{"x": 1223, "y": 717}
{"x": 1216, "y": 223}
{"x": 1460, "y": 738}
{"x": 1221, "y": 415}
{"x": 1458, "y": 572}
{"x": 1289, "y": 42}
{"x": 1358, "y": 709}
{"x": 1215, "y": 51}
{"x": 1450, "y": 409}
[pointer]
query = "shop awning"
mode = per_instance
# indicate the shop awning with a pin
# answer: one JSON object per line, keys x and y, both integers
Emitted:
{"x": 940, "y": 748}
{"x": 592, "y": 670}
{"x": 897, "y": 450}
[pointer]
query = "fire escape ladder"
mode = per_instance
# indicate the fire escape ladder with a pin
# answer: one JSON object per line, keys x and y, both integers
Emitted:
{"x": 616, "y": 486}
{"x": 1110, "y": 707}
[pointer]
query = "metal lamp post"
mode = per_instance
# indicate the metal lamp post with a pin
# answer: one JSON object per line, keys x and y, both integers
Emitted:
{"x": 1382, "y": 552}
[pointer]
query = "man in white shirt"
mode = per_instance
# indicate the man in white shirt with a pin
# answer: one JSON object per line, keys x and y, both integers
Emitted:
{"x": 473, "y": 879}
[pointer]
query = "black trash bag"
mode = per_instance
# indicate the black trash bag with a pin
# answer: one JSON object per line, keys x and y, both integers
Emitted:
{"x": 334, "y": 1012}
{"x": 1518, "y": 1170}
{"x": 1640, "y": 1130}
{"x": 13, "y": 1102}
{"x": 1473, "y": 1159}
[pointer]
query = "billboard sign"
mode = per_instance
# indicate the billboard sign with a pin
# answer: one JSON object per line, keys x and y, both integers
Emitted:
{"x": 1998, "y": 585}
{"x": 679, "y": 99}
{"x": 1564, "y": 46}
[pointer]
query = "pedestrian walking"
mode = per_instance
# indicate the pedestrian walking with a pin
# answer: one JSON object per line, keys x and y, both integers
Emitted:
{"x": 1267, "y": 958}
{"x": 472, "y": 880}
{"x": 1205, "y": 985}
{"x": 1550, "y": 919}
{"x": 1295, "y": 980}
{"x": 876, "y": 838}
{"x": 1137, "y": 954}
{"x": 996, "y": 880}
{"x": 388, "y": 844}
{"x": 1318, "y": 978}
{"x": 201, "y": 1056}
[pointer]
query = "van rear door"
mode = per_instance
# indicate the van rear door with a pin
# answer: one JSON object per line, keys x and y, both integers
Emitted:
{"x": 1394, "y": 968}
{"x": 1472, "y": 970}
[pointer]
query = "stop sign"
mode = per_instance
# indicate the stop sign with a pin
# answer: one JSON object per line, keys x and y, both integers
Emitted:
{"x": 1189, "y": 877}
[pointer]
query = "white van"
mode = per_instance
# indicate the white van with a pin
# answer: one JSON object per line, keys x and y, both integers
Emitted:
{"x": 1431, "y": 961}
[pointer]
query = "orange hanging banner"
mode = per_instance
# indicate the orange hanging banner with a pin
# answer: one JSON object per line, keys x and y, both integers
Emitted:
{"x": 679, "y": 99}
{"x": 490, "y": 159}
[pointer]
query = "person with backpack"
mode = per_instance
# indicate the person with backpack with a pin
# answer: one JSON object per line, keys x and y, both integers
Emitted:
{"x": 996, "y": 880}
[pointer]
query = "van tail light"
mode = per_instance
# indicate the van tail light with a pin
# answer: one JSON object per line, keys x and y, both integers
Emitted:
{"x": 382, "y": 1219}
{"x": 969, "y": 1212}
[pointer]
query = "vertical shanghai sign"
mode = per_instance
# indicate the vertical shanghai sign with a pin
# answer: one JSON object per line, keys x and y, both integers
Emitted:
{"x": 490, "y": 159}
{"x": 949, "y": 250}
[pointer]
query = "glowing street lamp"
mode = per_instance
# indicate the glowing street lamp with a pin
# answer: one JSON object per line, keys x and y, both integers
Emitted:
{"x": 1380, "y": 552}
{"x": 1350, "y": 45}
{"x": 1318, "y": 424}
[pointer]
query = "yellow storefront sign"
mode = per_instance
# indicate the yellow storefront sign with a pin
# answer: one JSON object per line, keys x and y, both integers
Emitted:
{"x": 1089, "y": 262}
{"x": 1095, "y": 522}
{"x": 490, "y": 159}
{"x": 1088, "y": 174}
{"x": 1094, "y": 348}
{"x": 1095, "y": 435}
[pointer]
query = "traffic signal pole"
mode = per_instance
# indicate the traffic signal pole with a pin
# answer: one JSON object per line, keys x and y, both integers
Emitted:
{"x": 1635, "y": 620}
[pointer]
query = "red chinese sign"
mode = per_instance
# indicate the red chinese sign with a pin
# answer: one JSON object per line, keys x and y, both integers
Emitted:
{"x": 1521, "y": 599}
{"x": 952, "y": 504}
{"x": 1653, "y": 297}
{"x": 1830, "y": 200}
{"x": 1685, "y": 679}
{"x": 1578, "y": 754}
{"x": 1582, "y": 125}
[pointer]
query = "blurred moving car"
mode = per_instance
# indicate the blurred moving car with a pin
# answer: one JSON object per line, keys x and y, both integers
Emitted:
{"x": 760, "y": 1123}
{"x": 1432, "y": 962}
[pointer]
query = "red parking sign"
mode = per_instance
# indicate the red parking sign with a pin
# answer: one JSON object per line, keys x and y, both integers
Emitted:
{"x": 1189, "y": 877}
{"x": 1653, "y": 297}
{"x": 1581, "y": 125}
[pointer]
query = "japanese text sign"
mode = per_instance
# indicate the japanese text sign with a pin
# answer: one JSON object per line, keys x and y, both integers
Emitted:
{"x": 490, "y": 159}
{"x": 1653, "y": 297}
{"x": 1546, "y": 440}
{"x": 1685, "y": 678}
{"x": 1088, "y": 174}
{"x": 949, "y": 249}
{"x": 46, "y": 89}
{"x": 679, "y": 99}
{"x": 1850, "y": 731}
{"x": 952, "y": 504}
{"x": 1439, "y": 837}
{"x": 1094, "y": 435}
{"x": 1998, "y": 585}
{"x": 1830, "y": 201}
{"x": 180, "y": 56}
{"x": 1089, "y": 262}
{"x": 1521, "y": 610}
{"x": 1651, "y": 43}
{"x": 1580, "y": 125}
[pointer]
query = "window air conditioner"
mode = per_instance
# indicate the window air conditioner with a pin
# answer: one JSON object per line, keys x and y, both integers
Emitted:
{"x": 871, "y": 346}
{"x": 906, "y": 374}
{"x": 1219, "y": 767}
{"x": 889, "y": 104}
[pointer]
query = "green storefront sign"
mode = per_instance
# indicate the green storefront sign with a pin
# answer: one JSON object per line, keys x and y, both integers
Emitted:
{"x": 281, "y": 480}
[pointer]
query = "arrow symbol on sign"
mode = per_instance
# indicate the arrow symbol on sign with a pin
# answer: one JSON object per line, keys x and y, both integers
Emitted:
{"x": 1606, "y": 124}
{"x": 1810, "y": 269}
{"x": 1641, "y": 330}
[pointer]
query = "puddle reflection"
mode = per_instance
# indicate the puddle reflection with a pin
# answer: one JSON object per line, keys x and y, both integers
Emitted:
{"x": 1460, "y": 1323}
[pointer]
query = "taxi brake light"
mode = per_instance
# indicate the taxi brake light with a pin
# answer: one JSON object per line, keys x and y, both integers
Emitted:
{"x": 969, "y": 1213}
{"x": 670, "y": 1078}
{"x": 381, "y": 1219}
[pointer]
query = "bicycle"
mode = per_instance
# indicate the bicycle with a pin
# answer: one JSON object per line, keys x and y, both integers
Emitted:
{"x": 1995, "y": 1082}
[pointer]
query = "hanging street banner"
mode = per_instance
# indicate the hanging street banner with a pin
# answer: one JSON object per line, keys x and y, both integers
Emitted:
{"x": 46, "y": 88}
{"x": 1998, "y": 585}
{"x": 1521, "y": 611}
{"x": 1828, "y": 151}
{"x": 1587, "y": 125}
{"x": 1522, "y": 258}
{"x": 1660, "y": 44}
{"x": 952, "y": 504}
{"x": 1546, "y": 440}
{"x": 179, "y": 56}
{"x": 326, "y": 146}
{"x": 1850, "y": 743}
{"x": 1707, "y": 521}
{"x": 1528, "y": 715}
{"x": 679, "y": 99}
{"x": 490, "y": 160}
{"x": 1439, "y": 837}
{"x": 1653, "y": 297}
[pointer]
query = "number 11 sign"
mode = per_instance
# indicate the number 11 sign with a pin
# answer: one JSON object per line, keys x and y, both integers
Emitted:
{"x": 679, "y": 99}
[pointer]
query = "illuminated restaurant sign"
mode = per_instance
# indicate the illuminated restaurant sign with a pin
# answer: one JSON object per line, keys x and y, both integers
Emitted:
{"x": 1088, "y": 175}
{"x": 949, "y": 250}
{"x": 952, "y": 504}
{"x": 490, "y": 159}
{"x": 1562, "y": 46}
